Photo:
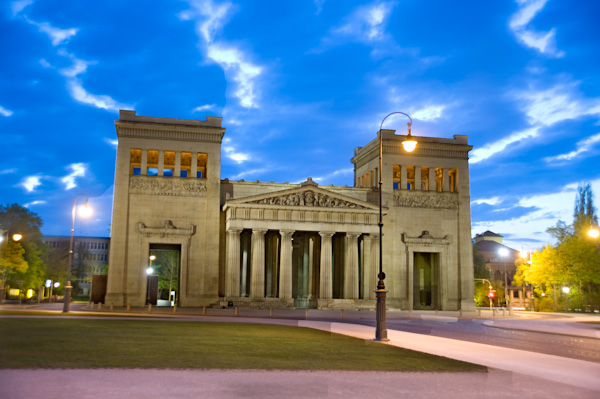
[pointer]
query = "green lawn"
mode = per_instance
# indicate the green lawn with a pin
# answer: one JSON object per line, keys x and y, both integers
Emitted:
{"x": 85, "y": 343}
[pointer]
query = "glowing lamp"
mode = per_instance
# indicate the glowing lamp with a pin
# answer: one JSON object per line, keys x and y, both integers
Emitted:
{"x": 594, "y": 232}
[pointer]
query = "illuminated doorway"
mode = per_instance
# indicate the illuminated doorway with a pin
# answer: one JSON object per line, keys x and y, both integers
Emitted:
{"x": 163, "y": 282}
{"x": 425, "y": 281}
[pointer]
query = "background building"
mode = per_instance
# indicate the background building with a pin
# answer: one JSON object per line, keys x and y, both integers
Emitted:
{"x": 303, "y": 245}
{"x": 90, "y": 256}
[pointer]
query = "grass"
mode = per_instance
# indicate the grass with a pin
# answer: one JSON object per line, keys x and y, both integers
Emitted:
{"x": 109, "y": 343}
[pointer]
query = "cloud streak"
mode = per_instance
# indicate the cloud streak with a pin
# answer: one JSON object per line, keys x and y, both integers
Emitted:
{"x": 5, "y": 112}
{"x": 583, "y": 146}
{"x": 77, "y": 170}
{"x": 544, "y": 42}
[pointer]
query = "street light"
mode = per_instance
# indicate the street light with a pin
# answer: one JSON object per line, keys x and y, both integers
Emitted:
{"x": 85, "y": 211}
{"x": 594, "y": 232}
{"x": 409, "y": 144}
{"x": 149, "y": 272}
{"x": 503, "y": 253}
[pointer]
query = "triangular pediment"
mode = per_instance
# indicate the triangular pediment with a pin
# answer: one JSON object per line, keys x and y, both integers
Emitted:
{"x": 309, "y": 195}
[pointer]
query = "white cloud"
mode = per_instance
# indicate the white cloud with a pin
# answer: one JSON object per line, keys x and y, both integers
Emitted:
{"x": 429, "y": 113}
{"x": 77, "y": 170}
{"x": 549, "y": 209}
{"x": 30, "y": 183}
{"x": 33, "y": 203}
{"x": 232, "y": 153}
{"x": 341, "y": 172}
{"x": 583, "y": 146}
{"x": 18, "y": 6}
{"x": 204, "y": 107}
{"x": 7, "y": 171}
{"x": 112, "y": 142}
{"x": 250, "y": 172}
{"x": 489, "y": 201}
{"x": 490, "y": 149}
{"x": 210, "y": 18}
{"x": 244, "y": 73}
{"x": 544, "y": 42}
{"x": 5, "y": 112}
{"x": 56, "y": 35}
{"x": 365, "y": 24}
{"x": 556, "y": 104}
{"x": 319, "y": 5}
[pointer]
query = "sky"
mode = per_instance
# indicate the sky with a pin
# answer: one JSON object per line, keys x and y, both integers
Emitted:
{"x": 299, "y": 85}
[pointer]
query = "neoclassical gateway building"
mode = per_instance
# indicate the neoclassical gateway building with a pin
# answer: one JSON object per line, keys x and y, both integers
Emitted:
{"x": 304, "y": 245}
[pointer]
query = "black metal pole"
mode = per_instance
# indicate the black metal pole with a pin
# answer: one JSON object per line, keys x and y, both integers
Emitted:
{"x": 380, "y": 292}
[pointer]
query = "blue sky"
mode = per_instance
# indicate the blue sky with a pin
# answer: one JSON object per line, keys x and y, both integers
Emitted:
{"x": 300, "y": 84}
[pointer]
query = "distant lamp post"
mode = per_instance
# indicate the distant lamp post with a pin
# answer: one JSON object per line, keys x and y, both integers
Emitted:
{"x": 149, "y": 272}
{"x": 84, "y": 211}
{"x": 503, "y": 253}
{"x": 409, "y": 144}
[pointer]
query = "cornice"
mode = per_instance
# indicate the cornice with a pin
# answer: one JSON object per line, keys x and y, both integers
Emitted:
{"x": 169, "y": 132}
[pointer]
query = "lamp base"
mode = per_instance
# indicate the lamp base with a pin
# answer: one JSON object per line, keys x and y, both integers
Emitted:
{"x": 381, "y": 327}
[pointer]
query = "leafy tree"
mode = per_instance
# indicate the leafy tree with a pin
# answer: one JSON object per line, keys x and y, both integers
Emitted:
{"x": 11, "y": 260}
{"x": 16, "y": 218}
{"x": 479, "y": 269}
{"x": 167, "y": 263}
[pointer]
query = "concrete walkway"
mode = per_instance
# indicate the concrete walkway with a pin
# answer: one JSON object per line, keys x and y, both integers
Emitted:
{"x": 513, "y": 373}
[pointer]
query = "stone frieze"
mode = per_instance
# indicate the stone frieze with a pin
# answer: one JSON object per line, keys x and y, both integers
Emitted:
{"x": 169, "y": 186}
{"x": 425, "y": 199}
{"x": 308, "y": 198}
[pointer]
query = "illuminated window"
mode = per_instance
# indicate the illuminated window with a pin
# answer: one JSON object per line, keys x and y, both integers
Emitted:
{"x": 152, "y": 163}
{"x": 135, "y": 162}
{"x": 425, "y": 179}
{"x": 453, "y": 176}
{"x": 169, "y": 163}
{"x": 410, "y": 177}
{"x": 439, "y": 179}
{"x": 201, "y": 165}
{"x": 186, "y": 164}
{"x": 397, "y": 177}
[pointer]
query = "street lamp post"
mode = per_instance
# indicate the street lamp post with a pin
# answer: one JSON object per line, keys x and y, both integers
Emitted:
{"x": 149, "y": 272}
{"x": 84, "y": 212}
{"x": 409, "y": 145}
{"x": 503, "y": 252}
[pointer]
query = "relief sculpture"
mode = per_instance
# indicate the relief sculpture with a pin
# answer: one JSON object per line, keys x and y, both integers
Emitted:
{"x": 426, "y": 199}
{"x": 170, "y": 186}
{"x": 308, "y": 198}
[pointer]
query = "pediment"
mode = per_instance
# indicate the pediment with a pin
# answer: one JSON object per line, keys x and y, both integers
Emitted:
{"x": 305, "y": 196}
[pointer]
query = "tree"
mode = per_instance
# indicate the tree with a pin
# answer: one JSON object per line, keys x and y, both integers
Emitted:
{"x": 167, "y": 263}
{"x": 11, "y": 260}
{"x": 479, "y": 269}
{"x": 16, "y": 218}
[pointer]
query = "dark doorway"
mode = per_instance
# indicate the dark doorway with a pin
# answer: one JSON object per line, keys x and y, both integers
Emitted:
{"x": 425, "y": 281}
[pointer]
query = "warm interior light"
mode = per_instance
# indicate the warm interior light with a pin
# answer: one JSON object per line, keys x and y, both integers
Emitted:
{"x": 594, "y": 232}
{"x": 17, "y": 237}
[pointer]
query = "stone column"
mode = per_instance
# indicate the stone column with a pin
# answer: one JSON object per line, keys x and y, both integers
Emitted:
{"x": 161, "y": 162}
{"x": 374, "y": 265}
{"x": 144, "y": 166}
{"x": 285, "y": 265}
{"x": 446, "y": 180}
{"x": 351, "y": 265}
{"x": 403, "y": 177}
{"x": 417, "y": 178}
{"x": 177, "y": 171}
{"x": 431, "y": 178}
{"x": 194, "y": 165}
{"x": 367, "y": 262}
{"x": 232, "y": 266}
{"x": 257, "y": 268}
{"x": 326, "y": 288}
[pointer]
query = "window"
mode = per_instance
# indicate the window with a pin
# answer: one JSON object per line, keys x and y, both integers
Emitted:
{"x": 186, "y": 164}
{"x": 135, "y": 161}
{"x": 169, "y": 163}
{"x": 201, "y": 162}
{"x": 410, "y": 177}
{"x": 424, "y": 178}
{"x": 439, "y": 179}
{"x": 397, "y": 177}
{"x": 152, "y": 163}
{"x": 453, "y": 176}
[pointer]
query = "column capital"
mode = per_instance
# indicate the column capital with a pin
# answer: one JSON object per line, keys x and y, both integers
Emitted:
{"x": 353, "y": 235}
{"x": 234, "y": 231}
{"x": 325, "y": 234}
{"x": 259, "y": 231}
{"x": 290, "y": 232}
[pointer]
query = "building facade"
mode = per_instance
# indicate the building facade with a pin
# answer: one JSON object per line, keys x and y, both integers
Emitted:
{"x": 260, "y": 244}
{"x": 90, "y": 257}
